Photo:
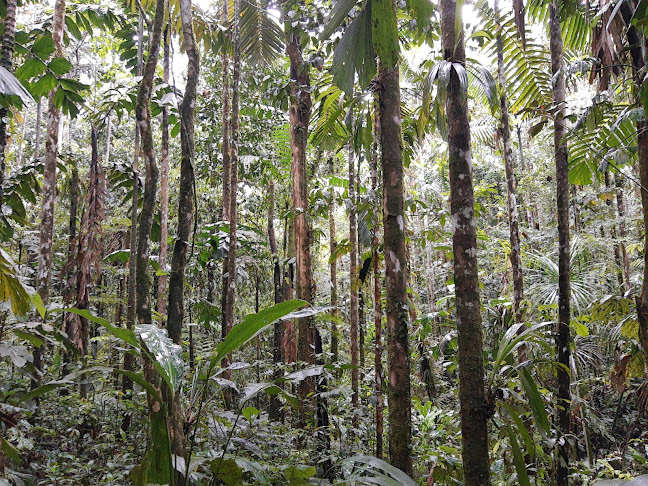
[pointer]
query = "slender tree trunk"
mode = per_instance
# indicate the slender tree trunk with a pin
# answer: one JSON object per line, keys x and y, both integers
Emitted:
{"x": 131, "y": 307}
{"x": 230, "y": 290}
{"x": 143, "y": 116}
{"x": 514, "y": 233}
{"x": 563, "y": 338}
{"x": 333, "y": 268}
{"x": 300, "y": 113}
{"x": 6, "y": 62}
{"x": 391, "y": 142}
{"x": 186, "y": 209}
{"x": 275, "y": 404}
{"x": 48, "y": 191}
{"x": 380, "y": 404}
{"x": 353, "y": 286}
{"x": 108, "y": 138}
{"x": 474, "y": 431}
{"x": 164, "y": 188}
{"x": 620, "y": 200}
{"x": 39, "y": 112}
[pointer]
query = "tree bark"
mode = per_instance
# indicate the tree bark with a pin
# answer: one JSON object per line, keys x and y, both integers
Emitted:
{"x": 474, "y": 431}
{"x": 396, "y": 304}
{"x": 563, "y": 338}
{"x": 48, "y": 191}
{"x": 514, "y": 233}
{"x": 176, "y": 308}
{"x": 6, "y": 62}
{"x": 378, "y": 312}
{"x": 274, "y": 410}
{"x": 300, "y": 113}
{"x": 625, "y": 261}
{"x": 143, "y": 117}
{"x": 353, "y": 286}
{"x": 333, "y": 267}
{"x": 164, "y": 188}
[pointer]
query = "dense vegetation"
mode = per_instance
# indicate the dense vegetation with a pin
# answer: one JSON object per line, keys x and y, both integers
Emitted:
{"x": 304, "y": 242}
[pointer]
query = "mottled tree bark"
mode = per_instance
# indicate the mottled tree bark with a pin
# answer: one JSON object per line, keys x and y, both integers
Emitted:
{"x": 164, "y": 187}
{"x": 474, "y": 431}
{"x": 48, "y": 191}
{"x": 514, "y": 233}
{"x": 333, "y": 267}
{"x": 300, "y": 113}
{"x": 353, "y": 286}
{"x": 378, "y": 312}
{"x": 144, "y": 125}
{"x": 274, "y": 410}
{"x": 6, "y": 61}
{"x": 396, "y": 303}
{"x": 563, "y": 338}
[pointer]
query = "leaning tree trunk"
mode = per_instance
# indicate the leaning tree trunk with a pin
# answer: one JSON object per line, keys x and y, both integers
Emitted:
{"x": 385, "y": 32}
{"x": 300, "y": 113}
{"x": 474, "y": 431}
{"x": 514, "y": 233}
{"x": 563, "y": 338}
{"x": 164, "y": 188}
{"x": 186, "y": 208}
{"x": 6, "y": 62}
{"x": 144, "y": 125}
{"x": 48, "y": 191}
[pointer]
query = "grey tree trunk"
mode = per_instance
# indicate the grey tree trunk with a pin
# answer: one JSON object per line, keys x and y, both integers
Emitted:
{"x": 6, "y": 61}
{"x": 164, "y": 187}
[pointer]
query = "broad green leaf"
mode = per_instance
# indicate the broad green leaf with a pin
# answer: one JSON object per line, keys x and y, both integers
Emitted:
{"x": 167, "y": 354}
{"x": 125, "y": 335}
{"x": 227, "y": 471}
{"x": 60, "y": 66}
{"x": 10, "y": 451}
{"x": 253, "y": 324}
{"x": 44, "y": 85}
{"x": 522, "y": 430}
{"x": 581, "y": 329}
{"x": 372, "y": 467}
{"x": 43, "y": 47}
{"x": 518, "y": 458}
{"x": 300, "y": 472}
{"x": 535, "y": 401}
{"x": 11, "y": 288}
{"x": 338, "y": 14}
{"x": 30, "y": 69}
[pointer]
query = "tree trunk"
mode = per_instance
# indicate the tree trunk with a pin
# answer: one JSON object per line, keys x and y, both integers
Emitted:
{"x": 131, "y": 307}
{"x": 391, "y": 143}
{"x": 353, "y": 286}
{"x": 620, "y": 200}
{"x": 563, "y": 338}
{"x": 48, "y": 191}
{"x": 185, "y": 215}
{"x": 274, "y": 410}
{"x": 377, "y": 293}
{"x": 143, "y": 116}
{"x": 230, "y": 290}
{"x": 514, "y": 233}
{"x": 164, "y": 188}
{"x": 474, "y": 431}
{"x": 6, "y": 62}
{"x": 300, "y": 113}
{"x": 333, "y": 267}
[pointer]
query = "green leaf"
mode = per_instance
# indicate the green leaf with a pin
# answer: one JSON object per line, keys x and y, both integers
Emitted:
{"x": 11, "y": 288}
{"x": 535, "y": 401}
{"x": 338, "y": 14}
{"x": 44, "y": 85}
{"x": 376, "y": 471}
{"x": 167, "y": 354}
{"x": 422, "y": 10}
{"x": 38, "y": 303}
{"x": 227, "y": 471}
{"x": 125, "y": 335}
{"x": 30, "y": 69}
{"x": 60, "y": 66}
{"x": 581, "y": 329}
{"x": 518, "y": 458}
{"x": 43, "y": 47}
{"x": 72, "y": 27}
{"x": 253, "y": 324}
{"x": 300, "y": 472}
{"x": 250, "y": 412}
{"x": 10, "y": 451}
